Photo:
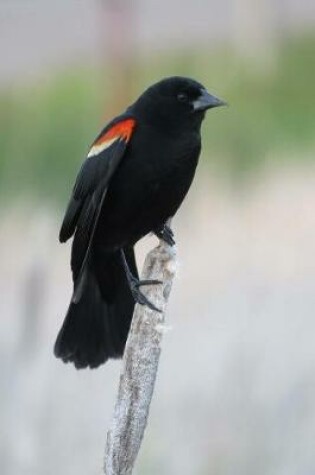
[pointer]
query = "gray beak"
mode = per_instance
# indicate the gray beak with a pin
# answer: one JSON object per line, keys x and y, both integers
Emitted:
{"x": 207, "y": 101}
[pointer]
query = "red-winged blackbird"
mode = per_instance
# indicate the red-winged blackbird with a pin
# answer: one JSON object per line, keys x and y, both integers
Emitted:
{"x": 133, "y": 180}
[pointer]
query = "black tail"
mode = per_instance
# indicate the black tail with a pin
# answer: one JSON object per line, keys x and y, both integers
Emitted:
{"x": 97, "y": 323}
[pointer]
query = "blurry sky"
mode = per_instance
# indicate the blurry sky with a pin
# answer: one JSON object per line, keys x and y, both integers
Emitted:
{"x": 36, "y": 35}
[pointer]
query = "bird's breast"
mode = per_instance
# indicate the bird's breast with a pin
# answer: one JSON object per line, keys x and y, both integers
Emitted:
{"x": 148, "y": 187}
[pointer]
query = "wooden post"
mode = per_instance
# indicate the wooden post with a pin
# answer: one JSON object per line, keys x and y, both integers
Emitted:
{"x": 140, "y": 365}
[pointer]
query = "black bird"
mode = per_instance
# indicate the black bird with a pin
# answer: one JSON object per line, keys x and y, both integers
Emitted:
{"x": 135, "y": 177}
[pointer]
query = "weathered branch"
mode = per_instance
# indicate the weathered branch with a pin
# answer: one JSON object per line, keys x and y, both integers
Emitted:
{"x": 139, "y": 366}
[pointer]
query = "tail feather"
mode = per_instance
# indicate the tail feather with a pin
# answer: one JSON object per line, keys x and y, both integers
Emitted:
{"x": 96, "y": 327}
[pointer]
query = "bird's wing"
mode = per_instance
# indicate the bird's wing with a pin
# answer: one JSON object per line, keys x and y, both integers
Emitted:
{"x": 91, "y": 185}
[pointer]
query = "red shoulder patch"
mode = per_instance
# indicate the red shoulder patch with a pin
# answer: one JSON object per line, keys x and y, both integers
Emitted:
{"x": 120, "y": 131}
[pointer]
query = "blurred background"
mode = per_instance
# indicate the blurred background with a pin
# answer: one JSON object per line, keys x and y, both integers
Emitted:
{"x": 235, "y": 393}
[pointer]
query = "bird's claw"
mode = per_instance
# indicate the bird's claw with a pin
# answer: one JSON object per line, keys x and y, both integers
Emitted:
{"x": 166, "y": 234}
{"x": 135, "y": 284}
{"x": 140, "y": 283}
{"x": 138, "y": 296}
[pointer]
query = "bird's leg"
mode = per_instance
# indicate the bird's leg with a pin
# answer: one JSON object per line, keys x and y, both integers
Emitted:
{"x": 135, "y": 285}
{"x": 166, "y": 234}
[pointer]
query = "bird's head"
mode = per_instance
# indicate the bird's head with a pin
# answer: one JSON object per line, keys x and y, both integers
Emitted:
{"x": 176, "y": 100}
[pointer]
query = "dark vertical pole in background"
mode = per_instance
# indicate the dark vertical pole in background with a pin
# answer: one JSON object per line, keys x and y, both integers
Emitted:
{"x": 117, "y": 20}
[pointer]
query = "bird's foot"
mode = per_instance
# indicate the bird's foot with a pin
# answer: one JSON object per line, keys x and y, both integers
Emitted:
{"x": 166, "y": 234}
{"x": 138, "y": 296}
{"x": 135, "y": 284}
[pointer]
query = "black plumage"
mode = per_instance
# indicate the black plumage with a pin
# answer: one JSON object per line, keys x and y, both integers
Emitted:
{"x": 134, "y": 179}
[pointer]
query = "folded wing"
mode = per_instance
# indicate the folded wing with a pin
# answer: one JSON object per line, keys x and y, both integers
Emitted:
{"x": 90, "y": 188}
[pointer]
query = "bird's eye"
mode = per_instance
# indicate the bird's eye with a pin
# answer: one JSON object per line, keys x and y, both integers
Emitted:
{"x": 182, "y": 97}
